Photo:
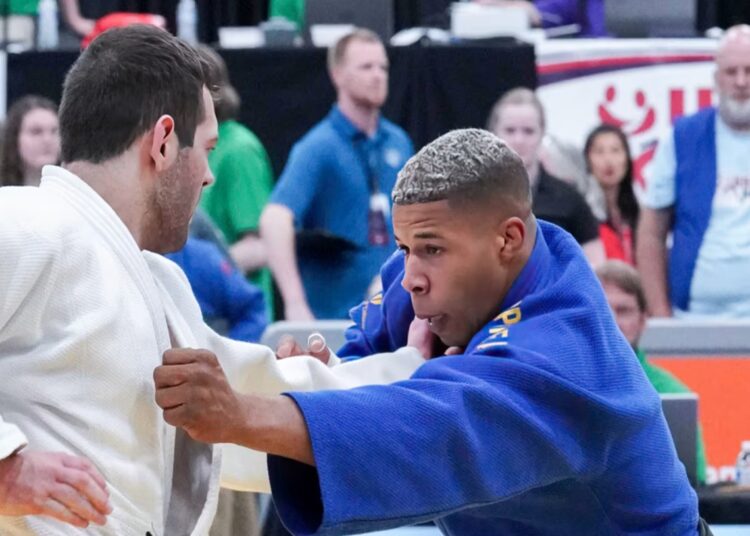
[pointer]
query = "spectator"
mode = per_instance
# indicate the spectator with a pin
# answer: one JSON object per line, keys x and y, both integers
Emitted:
{"x": 612, "y": 199}
{"x": 31, "y": 140}
{"x": 624, "y": 292}
{"x": 518, "y": 118}
{"x": 230, "y": 305}
{"x": 698, "y": 189}
{"x": 243, "y": 182}
{"x": 336, "y": 188}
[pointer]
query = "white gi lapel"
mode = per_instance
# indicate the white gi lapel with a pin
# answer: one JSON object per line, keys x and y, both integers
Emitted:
{"x": 196, "y": 465}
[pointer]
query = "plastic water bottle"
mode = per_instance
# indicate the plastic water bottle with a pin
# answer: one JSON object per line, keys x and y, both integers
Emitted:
{"x": 187, "y": 21}
{"x": 46, "y": 31}
{"x": 743, "y": 465}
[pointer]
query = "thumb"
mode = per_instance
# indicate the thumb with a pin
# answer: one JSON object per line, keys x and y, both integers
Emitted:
{"x": 317, "y": 347}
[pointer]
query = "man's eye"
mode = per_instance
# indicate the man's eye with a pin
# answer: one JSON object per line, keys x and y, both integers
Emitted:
{"x": 432, "y": 250}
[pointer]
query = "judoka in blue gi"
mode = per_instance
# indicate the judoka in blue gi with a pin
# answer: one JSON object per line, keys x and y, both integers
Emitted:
{"x": 540, "y": 423}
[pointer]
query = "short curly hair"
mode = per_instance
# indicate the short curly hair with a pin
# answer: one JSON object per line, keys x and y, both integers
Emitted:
{"x": 463, "y": 165}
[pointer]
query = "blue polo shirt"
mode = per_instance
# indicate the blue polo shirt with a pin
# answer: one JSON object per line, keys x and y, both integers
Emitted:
{"x": 327, "y": 185}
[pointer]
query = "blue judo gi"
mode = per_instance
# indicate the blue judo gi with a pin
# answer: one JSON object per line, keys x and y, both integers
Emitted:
{"x": 546, "y": 425}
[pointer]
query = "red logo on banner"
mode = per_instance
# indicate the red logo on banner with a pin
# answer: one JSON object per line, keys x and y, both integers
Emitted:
{"x": 629, "y": 126}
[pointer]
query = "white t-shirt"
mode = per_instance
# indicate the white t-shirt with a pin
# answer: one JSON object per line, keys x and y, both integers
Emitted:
{"x": 721, "y": 281}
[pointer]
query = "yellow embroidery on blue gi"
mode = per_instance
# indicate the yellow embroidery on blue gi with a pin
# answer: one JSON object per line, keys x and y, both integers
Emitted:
{"x": 377, "y": 299}
{"x": 510, "y": 316}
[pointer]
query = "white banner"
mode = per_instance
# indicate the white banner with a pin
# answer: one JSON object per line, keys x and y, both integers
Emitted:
{"x": 640, "y": 85}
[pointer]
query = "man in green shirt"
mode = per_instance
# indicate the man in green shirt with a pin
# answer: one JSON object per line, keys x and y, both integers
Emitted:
{"x": 243, "y": 182}
{"x": 622, "y": 286}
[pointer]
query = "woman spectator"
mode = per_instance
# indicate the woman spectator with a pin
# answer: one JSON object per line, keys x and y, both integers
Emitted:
{"x": 614, "y": 204}
{"x": 31, "y": 140}
{"x": 518, "y": 118}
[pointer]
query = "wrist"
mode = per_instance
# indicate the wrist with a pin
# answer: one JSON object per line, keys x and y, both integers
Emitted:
{"x": 244, "y": 430}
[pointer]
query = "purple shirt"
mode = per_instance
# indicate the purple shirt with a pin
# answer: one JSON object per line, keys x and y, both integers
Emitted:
{"x": 588, "y": 13}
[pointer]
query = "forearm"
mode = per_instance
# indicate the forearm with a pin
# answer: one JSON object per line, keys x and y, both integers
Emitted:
{"x": 652, "y": 265}
{"x": 249, "y": 253}
{"x": 275, "y": 425}
{"x": 72, "y": 15}
{"x": 651, "y": 258}
{"x": 277, "y": 232}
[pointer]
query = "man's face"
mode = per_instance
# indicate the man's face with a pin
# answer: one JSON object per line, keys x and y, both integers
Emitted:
{"x": 452, "y": 269}
{"x": 630, "y": 319}
{"x": 732, "y": 77}
{"x": 179, "y": 187}
{"x": 362, "y": 75}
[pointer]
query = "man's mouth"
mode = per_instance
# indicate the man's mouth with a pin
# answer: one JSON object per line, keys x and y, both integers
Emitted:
{"x": 431, "y": 319}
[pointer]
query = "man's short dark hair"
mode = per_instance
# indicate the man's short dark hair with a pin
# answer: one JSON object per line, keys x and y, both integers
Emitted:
{"x": 121, "y": 84}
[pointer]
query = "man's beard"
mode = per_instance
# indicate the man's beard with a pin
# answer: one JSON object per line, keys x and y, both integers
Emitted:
{"x": 170, "y": 210}
{"x": 735, "y": 112}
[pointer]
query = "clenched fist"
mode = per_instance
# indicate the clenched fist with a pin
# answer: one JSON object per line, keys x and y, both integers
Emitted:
{"x": 195, "y": 395}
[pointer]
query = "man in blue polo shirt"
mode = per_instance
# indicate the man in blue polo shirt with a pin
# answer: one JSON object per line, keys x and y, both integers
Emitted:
{"x": 335, "y": 191}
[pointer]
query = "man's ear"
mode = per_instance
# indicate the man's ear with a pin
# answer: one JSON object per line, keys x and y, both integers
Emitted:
{"x": 335, "y": 74}
{"x": 164, "y": 143}
{"x": 510, "y": 237}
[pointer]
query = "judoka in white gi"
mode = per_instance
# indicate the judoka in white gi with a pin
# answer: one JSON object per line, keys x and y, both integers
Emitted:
{"x": 87, "y": 309}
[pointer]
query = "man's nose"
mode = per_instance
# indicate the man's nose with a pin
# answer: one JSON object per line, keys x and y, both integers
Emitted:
{"x": 741, "y": 78}
{"x": 209, "y": 178}
{"x": 414, "y": 281}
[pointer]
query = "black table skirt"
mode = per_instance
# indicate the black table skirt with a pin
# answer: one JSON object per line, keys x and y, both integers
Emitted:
{"x": 433, "y": 89}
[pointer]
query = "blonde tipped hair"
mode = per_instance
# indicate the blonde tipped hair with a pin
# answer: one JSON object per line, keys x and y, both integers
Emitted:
{"x": 464, "y": 165}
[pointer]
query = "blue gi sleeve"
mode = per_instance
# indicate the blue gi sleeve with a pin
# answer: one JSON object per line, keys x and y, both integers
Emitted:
{"x": 463, "y": 431}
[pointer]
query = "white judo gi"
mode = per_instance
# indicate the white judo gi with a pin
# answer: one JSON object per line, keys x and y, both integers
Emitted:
{"x": 85, "y": 317}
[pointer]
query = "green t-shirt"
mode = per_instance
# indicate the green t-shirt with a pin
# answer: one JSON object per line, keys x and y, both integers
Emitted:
{"x": 243, "y": 183}
{"x": 293, "y": 10}
{"x": 665, "y": 382}
{"x": 19, "y": 7}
